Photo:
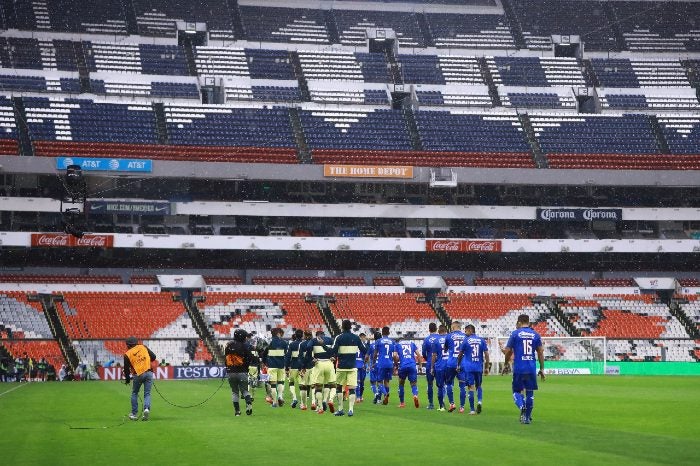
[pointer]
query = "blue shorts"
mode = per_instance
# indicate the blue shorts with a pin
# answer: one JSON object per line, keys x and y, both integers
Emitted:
{"x": 450, "y": 374}
{"x": 473, "y": 378}
{"x": 384, "y": 373}
{"x": 439, "y": 377}
{"x": 526, "y": 381}
{"x": 373, "y": 375}
{"x": 409, "y": 373}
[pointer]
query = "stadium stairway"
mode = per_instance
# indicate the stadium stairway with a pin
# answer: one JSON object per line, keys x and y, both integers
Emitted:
{"x": 437, "y": 304}
{"x": 57, "y": 329}
{"x": 326, "y": 313}
{"x": 589, "y": 73}
{"x": 688, "y": 324}
{"x": 132, "y": 27}
{"x": 537, "y": 154}
{"x": 412, "y": 128}
{"x": 488, "y": 78}
{"x": 299, "y": 73}
{"x": 25, "y": 142}
{"x": 190, "y": 303}
{"x": 561, "y": 317}
{"x": 299, "y": 138}
{"x": 83, "y": 73}
{"x": 331, "y": 26}
{"x": 159, "y": 113}
{"x": 425, "y": 30}
{"x": 658, "y": 133}
{"x": 615, "y": 25}
{"x": 238, "y": 30}
{"x": 515, "y": 26}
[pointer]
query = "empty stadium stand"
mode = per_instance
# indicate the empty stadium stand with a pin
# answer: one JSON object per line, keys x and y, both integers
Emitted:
{"x": 536, "y": 71}
{"x": 658, "y": 26}
{"x": 528, "y": 282}
{"x": 294, "y": 25}
{"x": 473, "y": 31}
{"x": 160, "y": 17}
{"x": 440, "y": 69}
{"x": 352, "y": 26}
{"x": 639, "y": 72}
{"x": 405, "y": 317}
{"x": 259, "y": 312}
{"x": 290, "y": 280}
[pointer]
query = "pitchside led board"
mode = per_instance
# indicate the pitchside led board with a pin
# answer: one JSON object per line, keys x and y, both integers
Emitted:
{"x": 110, "y": 165}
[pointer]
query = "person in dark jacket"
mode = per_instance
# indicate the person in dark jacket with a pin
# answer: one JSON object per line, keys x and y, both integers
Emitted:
{"x": 239, "y": 358}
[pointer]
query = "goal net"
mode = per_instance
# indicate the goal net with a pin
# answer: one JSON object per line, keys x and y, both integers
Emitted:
{"x": 563, "y": 355}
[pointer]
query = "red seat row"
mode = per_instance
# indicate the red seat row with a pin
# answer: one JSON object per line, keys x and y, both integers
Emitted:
{"x": 167, "y": 152}
{"x": 625, "y": 161}
{"x": 425, "y": 158}
{"x": 108, "y": 279}
{"x": 9, "y": 147}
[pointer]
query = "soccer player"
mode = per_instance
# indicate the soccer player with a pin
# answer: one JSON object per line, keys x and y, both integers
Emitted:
{"x": 292, "y": 365}
{"x": 472, "y": 367}
{"x": 238, "y": 359}
{"x": 361, "y": 367}
{"x": 427, "y": 352}
{"x": 276, "y": 353}
{"x": 346, "y": 346}
{"x": 523, "y": 343}
{"x": 137, "y": 364}
{"x": 452, "y": 344}
{"x": 306, "y": 365}
{"x": 323, "y": 372}
{"x": 438, "y": 364}
{"x": 407, "y": 354}
{"x": 373, "y": 371}
{"x": 384, "y": 352}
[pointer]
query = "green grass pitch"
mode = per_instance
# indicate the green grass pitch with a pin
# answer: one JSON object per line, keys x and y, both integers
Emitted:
{"x": 577, "y": 420}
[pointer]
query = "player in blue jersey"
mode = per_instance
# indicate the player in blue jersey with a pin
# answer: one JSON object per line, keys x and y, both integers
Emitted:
{"x": 523, "y": 343}
{"x": 373, "y": 371}
{"x": 384, "y": 353}
{"x": 473, "y": 358}
{"x": 438, "y": 364}
{"x": 427, "y": 352}
{"x": 452, "y": 344}
{"x": 407, "y": 354}
{"x": 361, "y": 366}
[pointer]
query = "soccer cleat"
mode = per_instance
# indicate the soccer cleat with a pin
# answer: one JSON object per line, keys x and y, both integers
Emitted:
{"x": 377, "y": 397}
{"x": 350, "y": 413}
{"x": 451, "y": 408}
{"x": 273, "y": 405}
{"x": 461, "y": 409}
{"x": 430, "y": 406}
{"x": 472, "y": 413}
{"x": 441, "y": 409}
{"x": 303, "y": 407}
{"x": 146, "y": 413}
{"x": 294, "y": 404}
{"x": 359, "y": 400}
{"x": 280, "y": 401}
{"x": 402, "y": 405}
{"x": 238, "y": 413}
{"x": 249, "y": 410}
{"x": 320, "y": 411}
{"x": 268, "y": 399}
{"x": 134, "y": 417}
{"x": 385, "y": 401}
{"x": 313, "y": 406}
{"x": 526, "y": 421}
{"x": 478, "y": 408}
{"x": 340, "y": 413}
{"x": 416, "y": 403}
{"x": 331, "y": 407}
{"x": 523, "y": 416}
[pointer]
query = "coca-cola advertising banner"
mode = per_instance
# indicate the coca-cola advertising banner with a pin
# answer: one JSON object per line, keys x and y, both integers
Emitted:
{"x": 62, "y": 240}
{"x": 462, "y": 245}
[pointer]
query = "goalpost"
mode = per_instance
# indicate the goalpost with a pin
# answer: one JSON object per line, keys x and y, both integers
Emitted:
{"x": 563, "y": 355}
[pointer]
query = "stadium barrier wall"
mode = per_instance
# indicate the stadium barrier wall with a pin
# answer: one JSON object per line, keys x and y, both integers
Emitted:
{"x": 627, "y": 367}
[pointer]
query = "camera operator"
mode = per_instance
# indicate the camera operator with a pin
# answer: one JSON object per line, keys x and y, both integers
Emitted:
{"x": 239, "y": 358}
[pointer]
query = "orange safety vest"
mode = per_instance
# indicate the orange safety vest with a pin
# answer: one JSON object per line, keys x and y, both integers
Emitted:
{"x": 139, "y": 359}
